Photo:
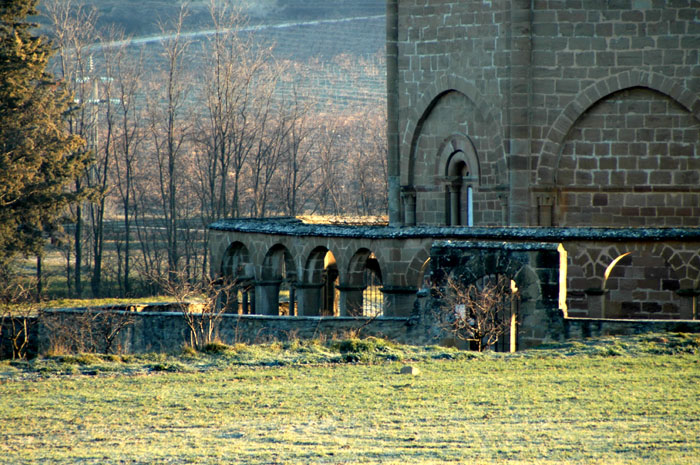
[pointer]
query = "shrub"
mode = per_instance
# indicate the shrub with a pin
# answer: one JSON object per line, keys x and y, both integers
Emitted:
{"x": 87, "y": 331}
{"x": 216, "y": 347}
{"x": 476, "y": 312}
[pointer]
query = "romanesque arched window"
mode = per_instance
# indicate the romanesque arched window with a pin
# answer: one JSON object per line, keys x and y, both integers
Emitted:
{"x": 461, "y": 180}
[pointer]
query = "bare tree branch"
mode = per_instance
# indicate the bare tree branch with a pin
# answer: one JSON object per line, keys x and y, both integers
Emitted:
{"x": 476, "y": 312}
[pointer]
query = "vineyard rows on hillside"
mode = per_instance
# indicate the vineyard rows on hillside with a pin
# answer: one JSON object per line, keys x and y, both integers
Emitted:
{"x": 334, "y": 49}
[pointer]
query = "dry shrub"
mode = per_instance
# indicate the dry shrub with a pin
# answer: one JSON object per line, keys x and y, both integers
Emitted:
{"x": 476, "y": 312}
{"x": 17, "y": 316}
{"x": 85, "y": 331}
{"x": 209, "y": 294}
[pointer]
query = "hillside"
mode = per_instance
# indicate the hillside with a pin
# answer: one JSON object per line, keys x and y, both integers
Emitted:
{"x": 141, "y": 17}
{"x": 342, "y": 40}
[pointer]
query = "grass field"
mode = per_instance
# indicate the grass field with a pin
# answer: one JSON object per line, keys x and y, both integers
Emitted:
{"x": 615, "y": 401}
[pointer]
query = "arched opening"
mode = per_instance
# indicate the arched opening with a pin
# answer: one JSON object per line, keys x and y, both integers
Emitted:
{"x": 372, "y": 299}
{"x": 361, "y": 295}
{"x": 237, "y": 267}
{"x": 642, "y": 285}
{"x": 424, "y": 278}
{"x": 275, "y": 292}
{"x": 317, "y": 291}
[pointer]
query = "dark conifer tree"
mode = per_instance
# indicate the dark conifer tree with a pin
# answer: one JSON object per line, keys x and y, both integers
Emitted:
{"x": 38, "y": 158}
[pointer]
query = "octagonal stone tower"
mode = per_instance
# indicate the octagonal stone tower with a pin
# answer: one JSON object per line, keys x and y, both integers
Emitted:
{"x": 544, "y": 113}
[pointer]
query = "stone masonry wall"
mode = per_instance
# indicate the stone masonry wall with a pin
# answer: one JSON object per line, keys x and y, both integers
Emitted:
{"x": 631, "y": 160}
{"x": 616, "y": 111}
{"x": 581, "y": 113}
{"x": 454, "y": 64}
{"x": 168, "y": 331}
{"x": 655, "y": 280}
{"x": 165, "y": 332}
{"x": 581, "y": 328}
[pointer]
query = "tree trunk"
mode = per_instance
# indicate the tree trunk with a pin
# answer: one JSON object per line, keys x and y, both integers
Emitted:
{"x": 78, "y": 247}
{"x": 39, "y": 278}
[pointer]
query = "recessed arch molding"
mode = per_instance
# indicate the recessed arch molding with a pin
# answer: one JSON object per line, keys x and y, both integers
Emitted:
{"x": 595, "y": 92}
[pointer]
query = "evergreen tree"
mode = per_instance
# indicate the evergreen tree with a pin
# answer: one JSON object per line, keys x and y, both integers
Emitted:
{"x": 38, "y": 157}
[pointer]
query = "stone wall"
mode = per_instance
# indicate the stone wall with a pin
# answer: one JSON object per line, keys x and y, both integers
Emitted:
{"x": 532, "y": 267}
{"x": 168, "y": 331}
{"x": 611, "y": 273}
{"x": 581, "y": 328}
{"x": 630, "y": 160}
{"x": 616, "y": 116}
{"x": 578, "y": 113}
{"x": 633, "y": 279}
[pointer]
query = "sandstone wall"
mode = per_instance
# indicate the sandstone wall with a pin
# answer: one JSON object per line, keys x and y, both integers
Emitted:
{"x": 581, "y": 113}
{"x": 616, "y": 114}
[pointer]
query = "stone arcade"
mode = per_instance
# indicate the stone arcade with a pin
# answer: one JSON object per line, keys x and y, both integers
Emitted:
{"x": 552, "y": 141}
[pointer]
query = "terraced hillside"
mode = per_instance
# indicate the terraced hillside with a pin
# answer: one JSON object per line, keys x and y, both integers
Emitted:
{"x": 336, "y": 46}
{"x": 338, "y": 59}
{"x": 343, "y": 60}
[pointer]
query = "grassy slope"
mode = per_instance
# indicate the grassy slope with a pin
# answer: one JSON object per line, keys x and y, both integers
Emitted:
{"x": 622, "y": 401}
{"x": 142, "y": 17}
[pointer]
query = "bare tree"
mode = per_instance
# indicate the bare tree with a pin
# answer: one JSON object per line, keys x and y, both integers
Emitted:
{"x": 169, "y": 128}
{"x": 235, "y": 68}
{"x": 242, "y": 140}
{"x": 17, "y": 315}
{"x": 127, "y": 142}
{"x": 200, "y": 304}
{"x": 367, "y": 155}
{"x": 272, "y": 126}
{"x": 74, "y": 32}
{"x": 99, "y": 175}
{"x": 89, "y": 330}
{"x": 331, "y": 133}
{"x": 227, "y": 126}
{"x": 476, "y": 312}
{"x": 298, "y": 165}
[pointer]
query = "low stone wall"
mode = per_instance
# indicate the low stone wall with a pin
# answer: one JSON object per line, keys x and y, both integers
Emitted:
{"x": 580, "y": 328}
{"x": 168, "y": 331}
{"x": 165, "y": 331}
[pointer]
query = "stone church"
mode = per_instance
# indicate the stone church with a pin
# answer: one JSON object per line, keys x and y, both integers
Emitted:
{"x": 556, "y": 142}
